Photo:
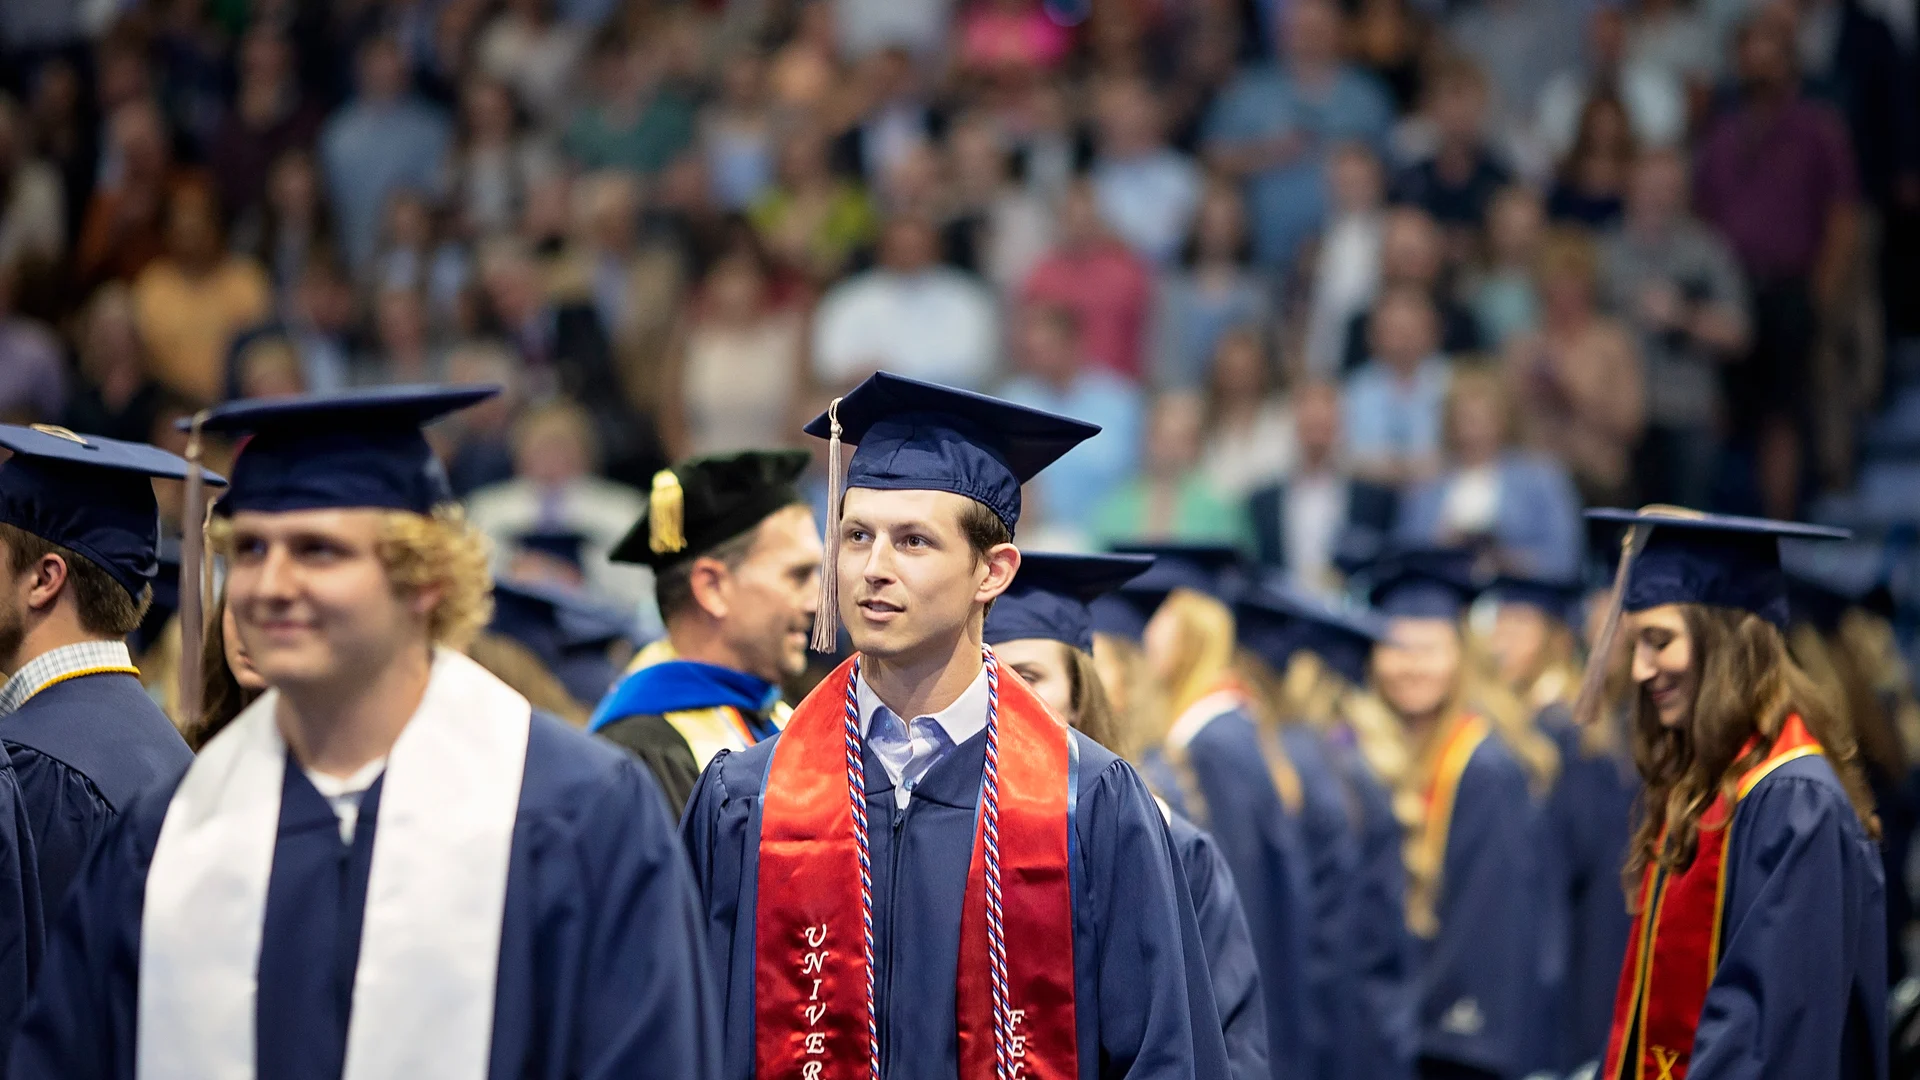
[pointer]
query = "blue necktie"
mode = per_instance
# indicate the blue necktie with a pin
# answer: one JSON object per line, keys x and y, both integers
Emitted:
{"x": 907, "y": 750}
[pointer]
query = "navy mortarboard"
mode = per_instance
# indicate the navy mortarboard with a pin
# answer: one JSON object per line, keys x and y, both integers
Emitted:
{"x": 1276, "y": 621}
{"x": 559, "y": 544}
{"x": 1213, "y": 569}
{"x": 1422, "y": 583}
{"x": 1050, "y": 595}
{"x": 910, "y": 435}
{"x": 1560, "y": 600}
{"x": 699, "y": 504}
{"x": 356, "y": 448}
{"x": 568, "y": 631}
{"x": 90, "y": 495}
{"x": 1679, "y": 557}
{"x": 1117, "y": 616}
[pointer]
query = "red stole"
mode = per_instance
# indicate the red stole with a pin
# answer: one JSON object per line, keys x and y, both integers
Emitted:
{"x": 811, "y": 977}
{"x": 1664, "y": 982}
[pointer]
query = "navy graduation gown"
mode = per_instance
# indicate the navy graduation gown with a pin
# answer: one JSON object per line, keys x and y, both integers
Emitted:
{"x": 1263, "y": 847}
{"x": 1378, "y": 1031}
{"x": 1478, "y": 974}
{"x": 1801, "y": 988}
{"x": 1229, "y": 947}
{"x": 1332, "y": 857}
{"x": 599, "y": 964}
{"x": 83, "y": 748}
{"x": 22, "y": 924}
{"x": 1143, "y": 995}
{"x": 1588, "y": 828}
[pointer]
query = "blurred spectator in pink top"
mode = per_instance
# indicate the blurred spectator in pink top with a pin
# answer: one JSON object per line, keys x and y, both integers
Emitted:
{"x": 1100, "y": 279}
{"x": 1014, "y": 34}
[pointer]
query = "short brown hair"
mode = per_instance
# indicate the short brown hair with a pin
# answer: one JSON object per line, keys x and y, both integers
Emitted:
{"x": 983, "y": 529}
{"x": 104, "y": 607}
{"x": 673, "y": 585}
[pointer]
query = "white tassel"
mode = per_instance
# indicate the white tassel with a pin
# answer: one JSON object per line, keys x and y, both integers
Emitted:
{"x": 826, "y": 621}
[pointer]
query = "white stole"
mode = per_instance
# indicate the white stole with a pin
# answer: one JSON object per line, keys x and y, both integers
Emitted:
{"x": 423, "y": 987}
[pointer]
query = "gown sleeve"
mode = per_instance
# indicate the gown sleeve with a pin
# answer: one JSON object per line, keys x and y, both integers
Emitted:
{"x": 662, "y": 750}
{"x": 648, "y": 1001}
{"x": 1479, "y": 977}
{"x": 1230, "y": 959}
{"x": 1383, "y": 1032}
{"x": 22, "y": 922}
{"x": 1801, "y": 986}
{"x": 1157, "y": 1018}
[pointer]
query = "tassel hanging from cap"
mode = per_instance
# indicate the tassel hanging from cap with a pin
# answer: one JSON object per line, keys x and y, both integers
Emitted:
{"x": 826, "y": 621}
{"x": 667, "y": 514}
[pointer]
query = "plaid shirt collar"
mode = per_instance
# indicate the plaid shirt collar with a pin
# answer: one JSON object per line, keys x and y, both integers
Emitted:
{"x": 65, "y": 662}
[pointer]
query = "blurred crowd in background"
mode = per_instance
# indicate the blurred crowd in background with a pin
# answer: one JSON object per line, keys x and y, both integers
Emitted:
{"x": 1422, "y": 269}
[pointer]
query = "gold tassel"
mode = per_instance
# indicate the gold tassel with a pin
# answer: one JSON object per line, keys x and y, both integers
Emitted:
{"x": 826, "y": 621}
{"x": 667, "y": 514}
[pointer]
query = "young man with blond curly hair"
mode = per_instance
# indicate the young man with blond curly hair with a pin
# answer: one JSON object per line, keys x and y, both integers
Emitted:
{"x": 388, "y": 866}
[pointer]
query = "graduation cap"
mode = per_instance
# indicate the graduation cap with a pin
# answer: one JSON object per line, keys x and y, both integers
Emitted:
{"x": 1559, "y": 599}
{"x": 352, "y": 449}
{"x": 1049, "y": 597}
{"x": 567, "y": 630}
{"x": 1213, "y": 569}
{"x": 698, "y": 505}
{"x": 90, "y": 495}
{"x": 1117, "y": 616}
{"x": 910, "y": 435}
{"x": 1672, "y": 555}
{"x": 1276, "y": 621}
{"x": 1676, "y": 556}
{"x": 1422, "y": 583}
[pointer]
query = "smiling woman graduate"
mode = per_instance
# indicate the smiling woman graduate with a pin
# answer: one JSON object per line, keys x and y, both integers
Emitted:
{"x": 927, "y": 875}
{"x": 1758, "y": 948}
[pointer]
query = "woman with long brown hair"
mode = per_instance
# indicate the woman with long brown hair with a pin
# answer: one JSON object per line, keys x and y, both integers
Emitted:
{"x": 1041, "y": 629}
{"x": 1467, "y": 802}
{"x": 1206, "y": 758}
{"x": 1759, "y": 947}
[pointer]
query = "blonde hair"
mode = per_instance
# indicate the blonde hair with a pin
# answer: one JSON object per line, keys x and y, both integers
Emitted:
{"x": 421, "y": 551}
{"x": 1203, "y": 644}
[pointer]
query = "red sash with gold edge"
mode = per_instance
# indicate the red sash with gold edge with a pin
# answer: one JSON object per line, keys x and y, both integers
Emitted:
{"x": 810, "y": 968}
{"x": 1664, "y": 981}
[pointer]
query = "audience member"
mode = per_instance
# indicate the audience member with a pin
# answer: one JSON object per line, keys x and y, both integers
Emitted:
{"x": 1676, "y": 284}
{"x": 741, "y": 363}
{"x": 1170, "y": 499}
{"x": 1505, "y": 297}
{"x": 1273, "y": 128}
{"x": 33, "y": 216}
{"x": 402, "y": 352}
{"x": 192, "y": 300}
{"x": 1391, "y": 41}
{"x": 1518, "y": 507}
{"x": 1320, "y": 509}
{"x": 124, "y": 228}
{"x": 1775, "y": 176}
{"x": 1107, "y": 286}
{"x": 554, "y": 487}
{"x": 1413, "y": 256}
{"x": 1000, "y": 229}
{"x": 909, "y": 315}
{"x": 812, "y": 219}
{"x": 494, "y": 163}
{"x": 1215, "y": 291}
{"x": 33, "y": 373}
{"x": 1520, "y": 44}
{"x": 384, "y": 140}
{"x": 1579, "y": 378}
{"x": 531, "y": 49}
{"x": 889, "y": 112}
{"x": 636, "y": 284}
{"x": 1653, "y": 94}
{"x": 1346, "y": 274}
{"x": 1147, "y": 191}
{"x": 635, "y": 119}
{"x": 1591, "y": 184}
{"x": 290, "y": 227}
{"x": 1248, "y": 422}
{"x": 1393, "y": 402}
{"x": 1455, "y": 183}
{"x": 1055, "y": 375}
{"x": 737, "y": 132}
{"x": 116, "y": 396}
{"x": 271, "y": 117}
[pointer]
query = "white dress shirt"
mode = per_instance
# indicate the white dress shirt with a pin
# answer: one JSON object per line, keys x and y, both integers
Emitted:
{"x": 962, "y": 720}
